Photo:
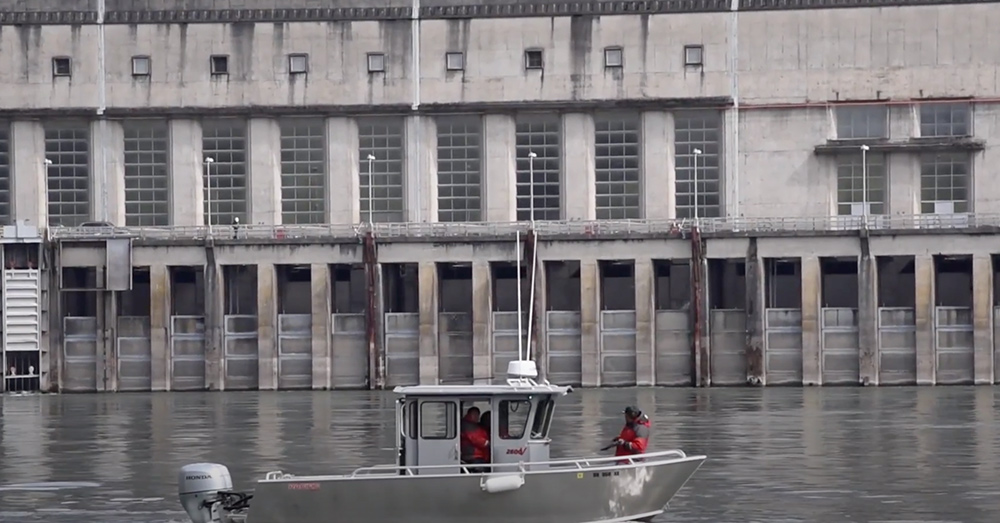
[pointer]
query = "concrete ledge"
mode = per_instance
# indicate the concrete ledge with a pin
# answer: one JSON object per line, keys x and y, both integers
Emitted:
{"x": 911, "y": 145}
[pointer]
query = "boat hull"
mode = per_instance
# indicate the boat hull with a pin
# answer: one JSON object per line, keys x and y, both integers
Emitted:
{"x": 607, "y": 493}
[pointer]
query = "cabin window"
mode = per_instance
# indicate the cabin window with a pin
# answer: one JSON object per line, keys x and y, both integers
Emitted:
{"x": 514, "y": 418}
{"x": 409, "y": 426}
{"x": 438, "y": 420}
{"x": 540, "y": 428}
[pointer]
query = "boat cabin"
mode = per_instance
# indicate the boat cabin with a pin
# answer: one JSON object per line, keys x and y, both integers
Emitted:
{"x": 518, "y": 415}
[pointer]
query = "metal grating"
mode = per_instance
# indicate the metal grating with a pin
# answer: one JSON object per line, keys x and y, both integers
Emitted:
{"x": 382, "y": 196}
{"x": 698, "y": 180}
{"x": 539, "y": 134}
{"x": 617, "y": 159}
{"x": 303, "y": 171}
{"x": 67, "y": 147}
{"x": 147, "y": 185}
{"x": 459, "y": 169}
{"x": 225, "y": 141}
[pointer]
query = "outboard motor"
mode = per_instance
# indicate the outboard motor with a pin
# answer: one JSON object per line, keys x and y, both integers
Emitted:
{"x": 199, "y": 485}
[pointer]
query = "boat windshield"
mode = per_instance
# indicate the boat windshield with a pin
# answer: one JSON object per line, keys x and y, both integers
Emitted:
{"x": 543, "y": 419}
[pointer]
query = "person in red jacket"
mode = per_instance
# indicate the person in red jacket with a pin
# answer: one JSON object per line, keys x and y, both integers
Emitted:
{"x": 475, "y": 441}
{"x": 634, "y": 436}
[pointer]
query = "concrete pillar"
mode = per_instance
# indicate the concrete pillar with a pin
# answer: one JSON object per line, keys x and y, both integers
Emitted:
{"x": 924, "y": 313}
{"x": 187, "y": 184}
{"x": 659, "y": 179}
{"x": 590, "y": 305}
{"x": 321, "y": 318}
{"x": 108, "y": 172}
{"x": 29, "y": 196}
{"x": 645, "y": 324}
{"x": 344, "y": 176}
{"x": 500, "y": 167}
{"x": 421, "y": 169}
{"x": 159, "y": 327}
{"x": 265, "y": 171}
{"x": 755, "y": 305}
{"x": 539, "y": 346}
{"x": 267, "y": 343}
{"x": 982, "y": 316}
{"x": 214, "y": 318}
{"x": 107, "y": 317}
{"x": 482, "y": 311}
{"x": 579, "y": 167}
{"x": 812, "y": 285}
{"x": 428, "y": 313}
{"x": 867, "y": 316}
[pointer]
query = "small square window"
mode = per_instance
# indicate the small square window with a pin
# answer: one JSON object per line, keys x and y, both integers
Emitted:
{"x": 376, "y": 62}
{"x": 140, "y": 66}
{"x": 62, "y": 66}
{"x": 533, "y": 59}
{"x": 693, "y": 54}
{"x": 454, "y": 61}
{"x": 220, "y": 64}
{"x": 614, "y": 57}
{"x": 298, "y": 64}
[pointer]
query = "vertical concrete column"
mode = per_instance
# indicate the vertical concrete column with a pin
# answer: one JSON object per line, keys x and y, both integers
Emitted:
{"x": 343, "y": 171}
{"x": 321, "y": 318}
{"x": 645, "y": 323}
{"x": 215, "y": 370}
{"x": 982, "y": 316}
{"x": 108, "y": 320}
{"x": 187, "y": 185}
{"x": 590, "y": 341}
{"x": 812, "y": 285}
{"x": 539, "y": 345}
{"x": 159, "y": 327}
{"x": 755, "y": 312}
{"x": 265, "y": 172}
{"x": 867, "y": 316}
{"x": 659, "y": 179}
{"x": 108, "y": 171}
{"x": 579, "y": 167}
{"x": 427, "y": 290}
{"x": 500, "y": 167}
{"x": 482, "y": 311}
{"x": 421, "y": 169}
{"x": 267, "y": 349}
{"x": 924, "y": 313}
{"x": 29, "y": 192}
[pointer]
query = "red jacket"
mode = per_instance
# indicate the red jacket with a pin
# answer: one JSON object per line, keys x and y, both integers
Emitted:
{"x": 635, "y": 437}
{"x": 475, "y": 441}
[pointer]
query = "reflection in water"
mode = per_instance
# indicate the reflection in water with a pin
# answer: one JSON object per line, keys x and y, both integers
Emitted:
{"x": 775, "y": 455}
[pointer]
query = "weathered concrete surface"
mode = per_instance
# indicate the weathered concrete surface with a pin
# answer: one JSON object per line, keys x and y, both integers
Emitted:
{"x": 590, "y": 301}
{"x": 867, "y": 317}
{"x": 267, "y": 342}
{"x": 755, "y": 311}
{"x": 926, "y": 357}
{"x": 321, "y": 317}
{"x": 645, "y": 325}
{"x": 159, "y": 323}
{"x": 982, "y": 316}
{"x": 427, "y": 277}
{"x": 482, "y": 291}
{"x": 812, "y": 287}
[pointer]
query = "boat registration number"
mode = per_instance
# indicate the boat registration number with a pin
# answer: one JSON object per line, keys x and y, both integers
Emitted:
{"x": 303, "y": 486}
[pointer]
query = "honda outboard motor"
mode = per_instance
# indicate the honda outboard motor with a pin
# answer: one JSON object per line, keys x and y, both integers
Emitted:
{"x": 198, "y": 485}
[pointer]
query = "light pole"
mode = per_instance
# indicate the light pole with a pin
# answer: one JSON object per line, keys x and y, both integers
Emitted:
{"x": 864, "y": 184}
{"x": 697, "y": 154}
{"x": 371, "y": 215}
{"x": 531, "y": 188}
{"x": 208, "y": 192}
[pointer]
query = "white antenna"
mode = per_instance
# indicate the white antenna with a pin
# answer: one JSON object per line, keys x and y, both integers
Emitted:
{"x": 517, "y": 266}
{"x": 531, "y": 299}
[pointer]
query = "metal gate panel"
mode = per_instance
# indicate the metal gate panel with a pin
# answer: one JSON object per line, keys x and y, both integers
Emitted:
{"x": 504, "y": 347}
{"x": 187, "y": 353}
{"x": 402, "y": 348}
{"x": 22, "y": 310}
{"x": 727, "y": 342}
{"x": 562, "y": 335}
{"x": 617, "y": 349}
{"x": 954, "y": 347}
{"x": 673, "y": 348}
{"x": 783, "y": 346}
{"x": 294, "y": 351}
{"x": 897, "y": 346}
{"x": 349, "y": 351}
{"x": 455, "y": 347}
{"x": 242, "y": 357}
{"x": 840, "y": 346}
{"x": 80, "y": 354}
{"x": 134, "y": 354}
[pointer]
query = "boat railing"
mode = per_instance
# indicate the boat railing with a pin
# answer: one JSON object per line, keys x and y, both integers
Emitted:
{"x": 524, "y": 466}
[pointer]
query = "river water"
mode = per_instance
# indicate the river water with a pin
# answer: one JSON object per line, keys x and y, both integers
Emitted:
{"x": 775, "y": 455}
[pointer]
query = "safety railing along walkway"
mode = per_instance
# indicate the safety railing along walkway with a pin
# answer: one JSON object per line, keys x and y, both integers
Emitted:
{"x": 596, "y": 228}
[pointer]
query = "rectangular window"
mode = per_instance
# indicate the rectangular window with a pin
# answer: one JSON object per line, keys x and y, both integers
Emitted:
{"x": 140, "y": 66}
{"x": 376, "y": 62}
{"x": 225, "y": 178}
{"x": 697, "y": 145}
{"x": 147, "y": 184}
{"x": 382, "y": 196}
{"x": 617, "y": 159}
{"x": 514, "y": 418}
{"x": 540, "y": 176}
{"x": 5, "y": 213}
{"x": 438, "y": 420}
{"x": 694, "y": 55}
{"x": 460, "y": 184}
{"x": 939, "y": 120}
{"x": 862, "y": 121}
{"x": 298, "y": 63}
{"x": 62, "y": 66}
{"x": 614, "y": 57}
{"x": 851, "y": 180}
{"x": 945, "y": 183}
{"x": 454, "y": 61}
{"x": 67, "y": 147}
{"x": 533, "y": 59}
{"x": 220, "y": 65}
{"x": 303, "y": 171}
